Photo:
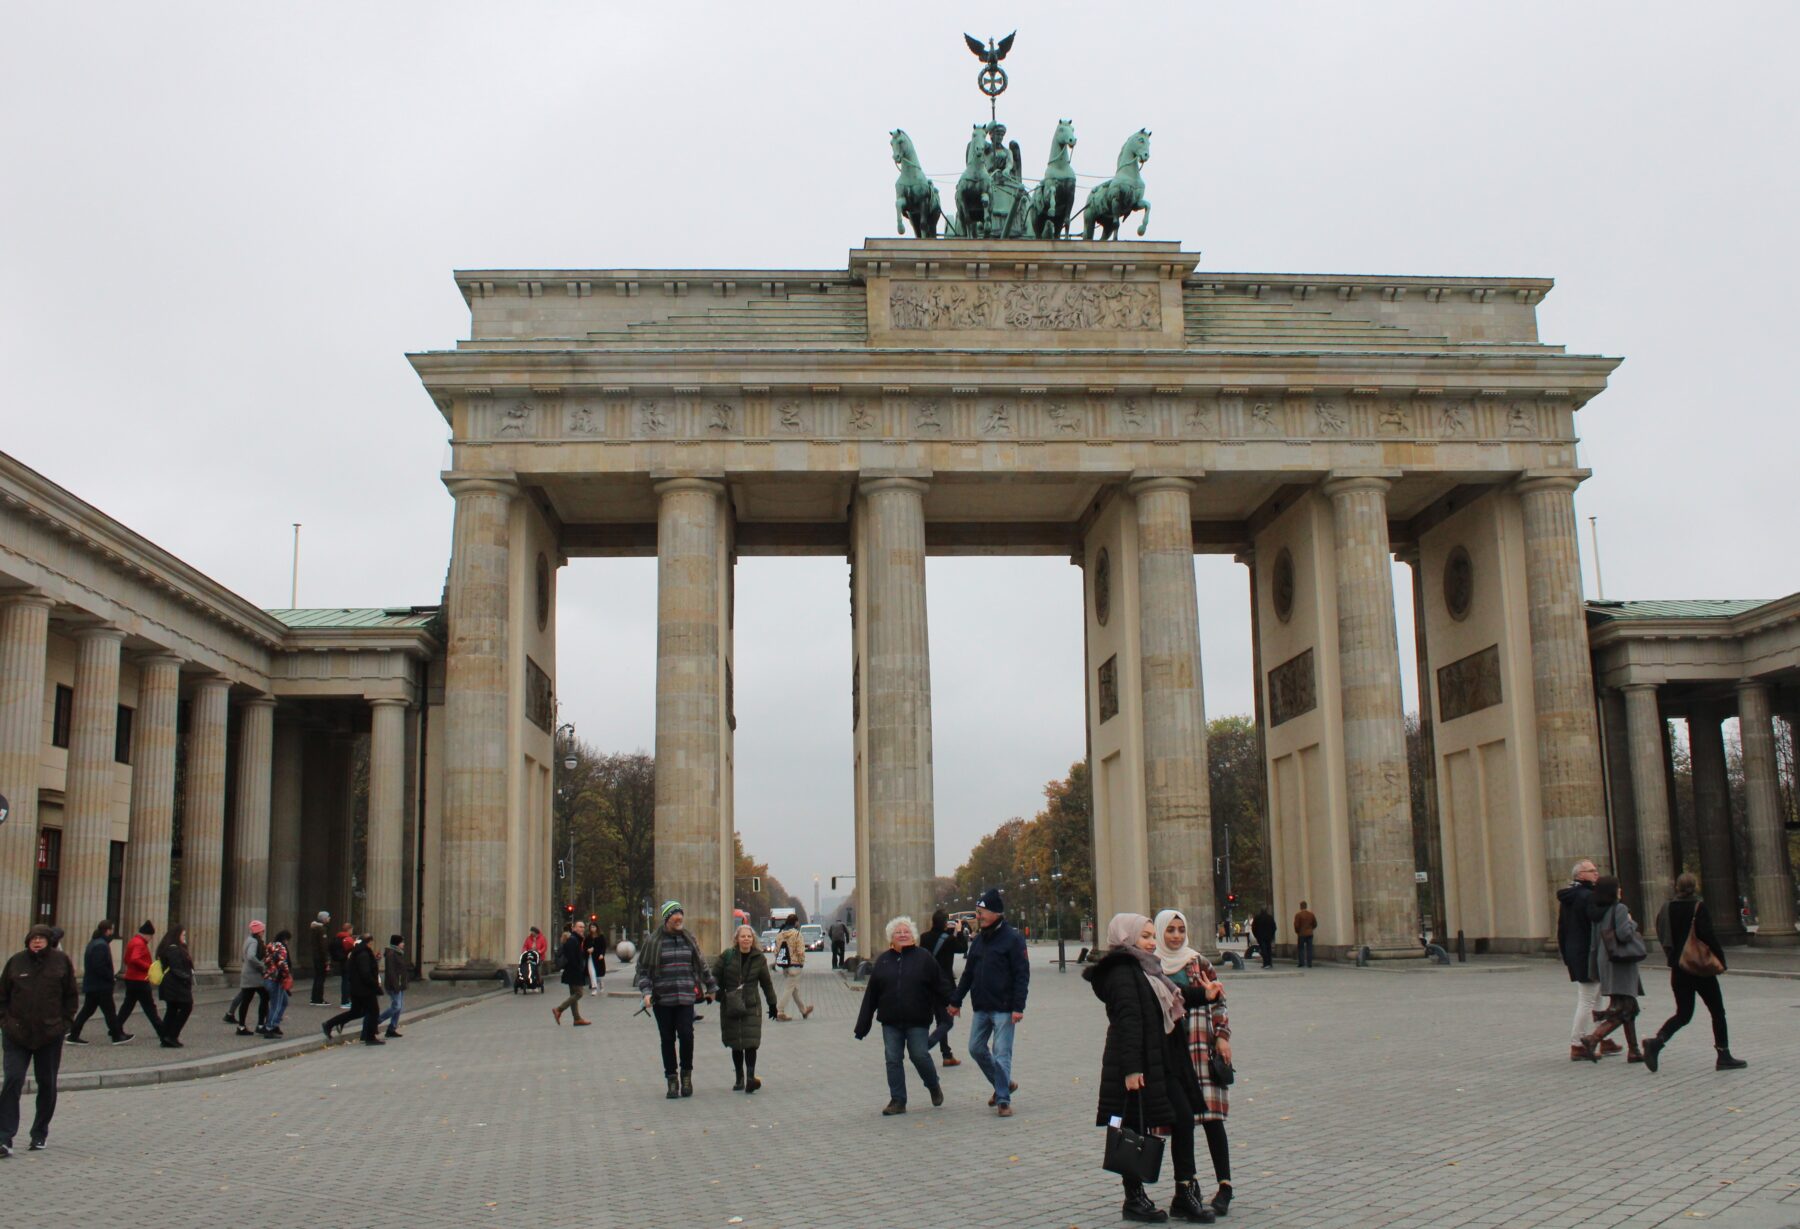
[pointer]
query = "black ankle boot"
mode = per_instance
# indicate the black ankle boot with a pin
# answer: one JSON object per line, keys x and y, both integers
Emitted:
{"x": 1139, "y": 1208}
{"x": 1653, "y": 1053}
{"x": 1727, "y": 1062}
{"x": 687, "y": 1083}
{"x": 737, "y": 1085}
{"x": 1187, "y": 1205}
{"x": 1221, "y": 1202}
{"x": 674, "y": 1089}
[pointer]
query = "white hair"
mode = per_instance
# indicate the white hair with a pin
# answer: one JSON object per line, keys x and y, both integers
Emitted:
{"x": 897, "y": 923}
{"x": 1575, "y": 871}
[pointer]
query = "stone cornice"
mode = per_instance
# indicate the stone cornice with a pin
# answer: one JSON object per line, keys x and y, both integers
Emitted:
{"x": 141, "y": 561}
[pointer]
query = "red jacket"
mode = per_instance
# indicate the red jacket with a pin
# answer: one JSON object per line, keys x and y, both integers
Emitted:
{"x": 137, "y": 959}
{"x": 536, "y": 943}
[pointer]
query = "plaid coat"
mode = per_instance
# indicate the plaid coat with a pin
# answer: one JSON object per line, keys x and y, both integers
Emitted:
{"x": 1205, "y": 1023}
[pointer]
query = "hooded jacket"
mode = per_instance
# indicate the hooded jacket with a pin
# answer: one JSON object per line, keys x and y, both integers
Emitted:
{"x": 997, "y": 974}
{"x": 363, "y": 972}
{"x": 137, "y": 958}
{"x": 37, "y": 997}
{"x": 1575, "y": 918}
{"x": 97, "y": 967}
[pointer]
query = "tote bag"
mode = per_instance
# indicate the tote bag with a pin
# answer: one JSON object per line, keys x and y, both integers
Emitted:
{"x": 1133, "y": 1154}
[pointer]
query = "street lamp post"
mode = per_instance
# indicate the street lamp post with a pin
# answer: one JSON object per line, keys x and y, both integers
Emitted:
{"x": 565, "y": 734}
{"x": 1062, "y": 952}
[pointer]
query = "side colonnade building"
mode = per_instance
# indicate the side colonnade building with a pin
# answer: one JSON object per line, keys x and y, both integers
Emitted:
{"x": 173, "y": 753}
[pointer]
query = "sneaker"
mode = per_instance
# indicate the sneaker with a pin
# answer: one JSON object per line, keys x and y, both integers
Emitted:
{"x": 5, "y": 1151}
{"x": 38, "y": 1145}
{"x": 122, "y": 1038}
{"x": 582, "y": 1023}
{"x": 76, "y": 1040}
{"x": 1003, "y": 1111}
{"x": 247, "y": 1032}
{"x": 231, "y": 1019}
{"x": 953, "y": 1062}
{"x": 393, "y": 1033}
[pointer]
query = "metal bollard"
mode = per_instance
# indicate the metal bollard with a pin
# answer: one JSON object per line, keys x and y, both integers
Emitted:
{"x": 1462, "y": 951}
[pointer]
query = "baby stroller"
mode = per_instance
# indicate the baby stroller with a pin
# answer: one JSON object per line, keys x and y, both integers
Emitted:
{"x": 530, "y": 974}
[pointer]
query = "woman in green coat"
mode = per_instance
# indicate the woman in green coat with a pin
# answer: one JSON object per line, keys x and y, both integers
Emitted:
{"x": 738, "y": 971}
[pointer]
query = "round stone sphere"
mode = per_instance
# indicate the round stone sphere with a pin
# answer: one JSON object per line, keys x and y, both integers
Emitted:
{"x": 625, "y": 951}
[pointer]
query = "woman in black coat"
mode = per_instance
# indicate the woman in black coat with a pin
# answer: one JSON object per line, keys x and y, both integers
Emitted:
{"x": 177, "y": 989}
{"x": 1146, "y": 1078}
{"x": 1674, "y": 922}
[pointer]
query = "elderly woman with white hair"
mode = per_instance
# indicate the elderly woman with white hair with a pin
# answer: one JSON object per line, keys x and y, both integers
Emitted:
{"x": 906, "y": 992}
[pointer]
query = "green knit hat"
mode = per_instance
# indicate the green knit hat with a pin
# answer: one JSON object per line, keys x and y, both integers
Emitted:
{"x": 669, "y": 908}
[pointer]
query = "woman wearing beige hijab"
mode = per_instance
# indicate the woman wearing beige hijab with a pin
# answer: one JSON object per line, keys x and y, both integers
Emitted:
{"x": 1208, "y": 1030}
{"x": 1146, "y": 1078}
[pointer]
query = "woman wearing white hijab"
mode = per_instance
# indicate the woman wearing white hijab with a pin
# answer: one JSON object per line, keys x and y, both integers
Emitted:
{"x": 1146, "y": 1078}
{"x": 1208, "y": 1028}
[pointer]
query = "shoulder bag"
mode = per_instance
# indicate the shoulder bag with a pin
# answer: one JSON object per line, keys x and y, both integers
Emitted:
{"x": 1697, "y": 959}
{"x": 1218, "y": 1067}
{"x": 1628, "y": 950}
{"x": 1136, "y": 1155}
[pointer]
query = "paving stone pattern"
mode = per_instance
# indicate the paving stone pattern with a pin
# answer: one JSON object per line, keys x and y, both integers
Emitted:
{"x": 1367, "y": 1098}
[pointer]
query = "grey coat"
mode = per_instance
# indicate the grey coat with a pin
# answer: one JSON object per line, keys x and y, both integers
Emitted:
{"x": 1615, "y": 977}
{"x": 250, "y": 977}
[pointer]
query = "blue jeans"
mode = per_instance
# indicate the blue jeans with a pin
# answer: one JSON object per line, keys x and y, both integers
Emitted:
{"x": 1303, "y": 948}
{"x": 910, "y": 1041}
{"x": 990, "y": 1043}
{"x": 278, "y": 1001}
{"x": 396, "y": 1004}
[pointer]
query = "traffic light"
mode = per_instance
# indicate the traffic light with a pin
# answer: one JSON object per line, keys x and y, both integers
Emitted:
{"x": 1231, "y": 898}
{"x": 568, "y": 913}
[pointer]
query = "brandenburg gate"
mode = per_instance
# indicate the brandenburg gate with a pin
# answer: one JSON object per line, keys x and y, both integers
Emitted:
{"x": 1111, "y": 402}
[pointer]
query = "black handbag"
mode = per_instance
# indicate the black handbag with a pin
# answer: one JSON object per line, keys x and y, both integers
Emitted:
{"x": 1223, "y": 1074}
{"x": 1136, "y": 1155}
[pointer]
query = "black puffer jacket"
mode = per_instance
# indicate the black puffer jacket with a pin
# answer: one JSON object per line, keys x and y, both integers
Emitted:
{"x": 365, "y": 972}
{"x": 906, "y": 989}
{"x": 1136, "y": 1043}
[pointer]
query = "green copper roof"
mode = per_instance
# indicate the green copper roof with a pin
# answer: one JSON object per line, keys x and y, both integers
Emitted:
{"x": 393, "y": 618}
{"x": 1699, "y": 608}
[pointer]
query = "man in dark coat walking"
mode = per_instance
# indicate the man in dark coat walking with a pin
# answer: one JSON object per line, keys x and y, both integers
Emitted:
{"x": 1575, "y": 918}
{"x": 97, "y": 987}
{"x": 944, "y": 942}
{"x": 574, "y": 972}
{"x": 996, "y": 978}
{"x": 37, "y": 1010}
{"x": 1262, "y": 929}
{"x": 362, "y": 978}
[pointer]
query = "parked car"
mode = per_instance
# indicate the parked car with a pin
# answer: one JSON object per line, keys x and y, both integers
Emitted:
{"x": 813, "y": 936}
{"x": 768, "y": 939}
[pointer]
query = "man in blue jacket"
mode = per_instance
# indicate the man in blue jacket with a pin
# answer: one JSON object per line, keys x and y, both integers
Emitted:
{"x": 996, "y": 977}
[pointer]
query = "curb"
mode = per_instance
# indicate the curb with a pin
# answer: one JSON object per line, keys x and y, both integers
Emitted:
{"x": 225, "y": 1064}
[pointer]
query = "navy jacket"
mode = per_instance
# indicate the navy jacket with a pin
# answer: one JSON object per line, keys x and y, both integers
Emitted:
{"x": 1575, "y": 920}
{"x": 97, "y": 967}
{"x": 997, "y": 974}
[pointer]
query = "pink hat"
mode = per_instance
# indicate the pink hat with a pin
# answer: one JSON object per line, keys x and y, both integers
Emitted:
{"x": 256, "y": 928}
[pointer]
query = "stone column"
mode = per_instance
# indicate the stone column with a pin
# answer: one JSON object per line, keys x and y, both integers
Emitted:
{"x": 24, "y": 658}
{"x": 1570, "y": 784}
{"x": 1434, "y": 833}
{"x": 897, "y": 704}
{"x": 1375, "y": 773}
{"x": 147, "y": 875}
{"x": 203, "y": 822}
{"x": 1650, "y": 791}
{"x": 250, "y": 817}
{"x": 690, "y": 702}
{"x": 285, "y": 791}
{"x": 1177, "y": 800}
{"x": 473, "y": 885}
{"x": 1771, "y": 878}
{"x": 1712, "y": 820}
{"x": 387, "y": 817}
{"x": 88, "y": 794}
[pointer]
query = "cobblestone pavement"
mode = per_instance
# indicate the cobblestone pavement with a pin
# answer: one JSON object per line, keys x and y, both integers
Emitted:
{"x": 1428, "y": 1098}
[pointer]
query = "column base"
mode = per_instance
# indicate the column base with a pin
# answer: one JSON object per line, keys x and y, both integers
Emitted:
{"x": 1410, "y": 952}
{"x": 474, "y": 970}
{"x": 1762, "y": 939}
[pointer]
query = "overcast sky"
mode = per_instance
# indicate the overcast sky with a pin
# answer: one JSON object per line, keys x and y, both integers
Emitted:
{"x": 223, "y": 226}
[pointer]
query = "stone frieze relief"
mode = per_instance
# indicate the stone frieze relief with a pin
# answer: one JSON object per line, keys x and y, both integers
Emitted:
{"x": 1117, "y": 307}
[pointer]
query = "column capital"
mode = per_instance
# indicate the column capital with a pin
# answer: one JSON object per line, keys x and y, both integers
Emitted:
{"x": 1343, "y": 481}
{"x": 161, "y": 658}
{"x": 1534, "y": 480}
{"x": 210, "y": 682}
{"x": 1408, "y": 553}
{"x": 1151, "y": 483}
{"x": 874, "y": 485}
{"x": 482, "y": 484}
{"x": 260, "y": 701}
{"x": 388, "y": 702}
{"x": 693, "y": 482}
{"x": 98, "y": 631}
{"x": 28, "y": 597}
{"x": 1754, "y": 687}
{"x": 1639, "y": 687}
